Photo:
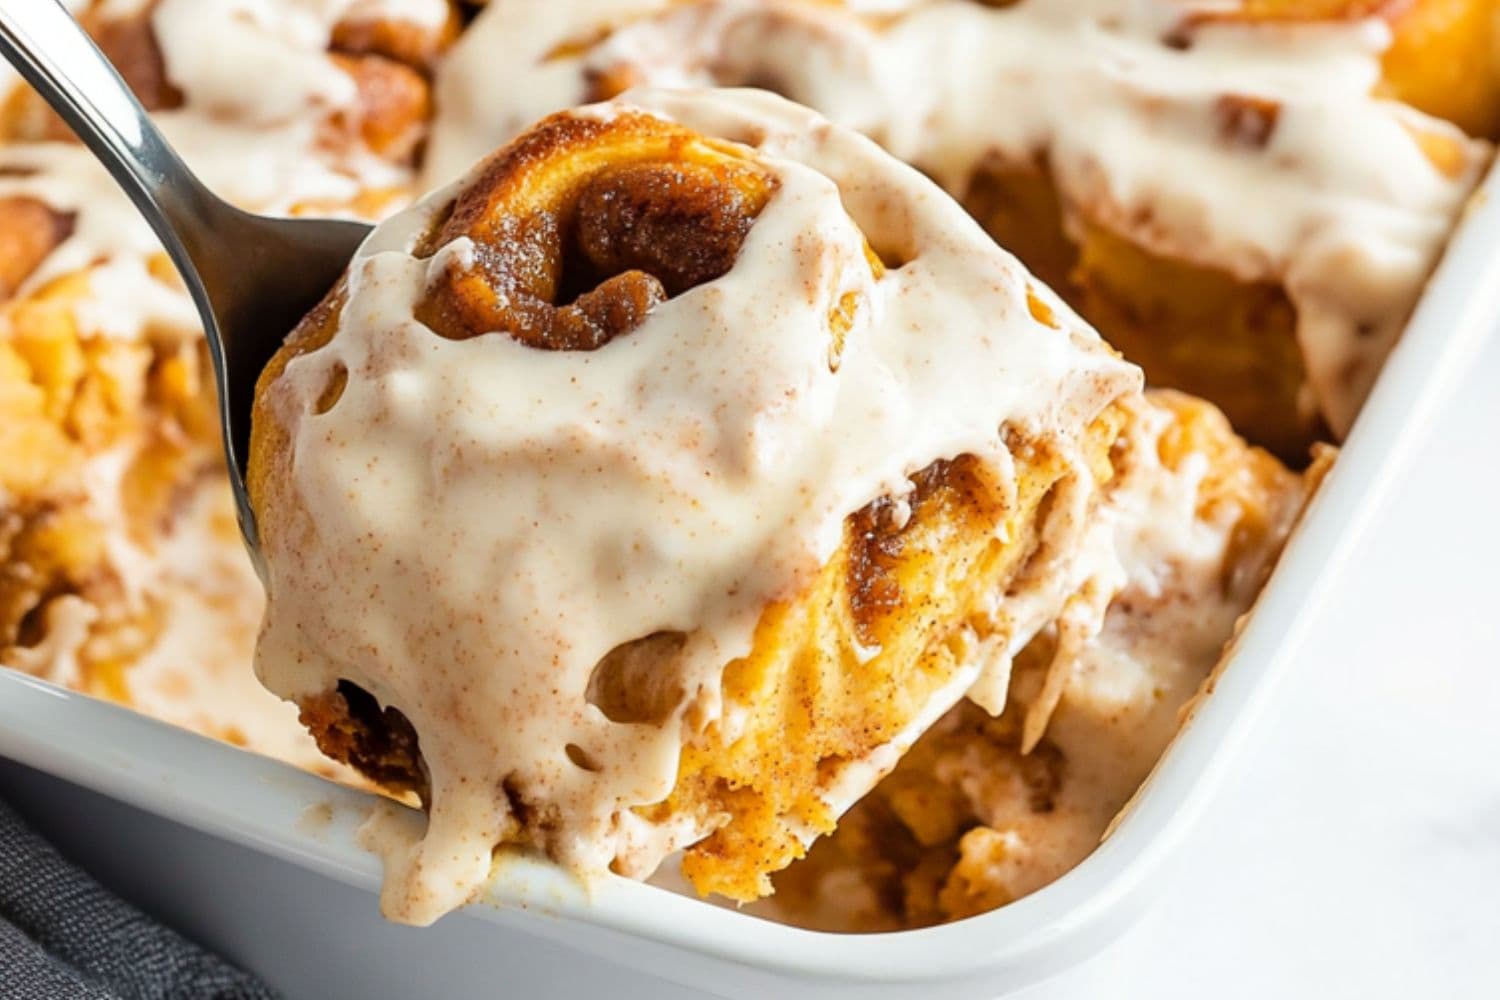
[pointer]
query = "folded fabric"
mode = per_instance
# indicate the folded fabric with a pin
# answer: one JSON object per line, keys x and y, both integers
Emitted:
{"x": 63, "y": 936}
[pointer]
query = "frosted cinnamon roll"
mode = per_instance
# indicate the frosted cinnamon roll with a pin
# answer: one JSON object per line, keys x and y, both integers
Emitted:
{"x": 1236, "y": 196}
{"x": 984, "y": 810}
{"x": 653, "y": 486}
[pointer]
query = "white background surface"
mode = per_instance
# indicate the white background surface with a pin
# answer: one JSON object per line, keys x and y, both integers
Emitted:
{"x": 1354, "y": 850}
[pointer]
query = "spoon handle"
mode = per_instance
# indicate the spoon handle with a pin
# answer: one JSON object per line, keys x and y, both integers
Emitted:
{"x": 57, "y": 57}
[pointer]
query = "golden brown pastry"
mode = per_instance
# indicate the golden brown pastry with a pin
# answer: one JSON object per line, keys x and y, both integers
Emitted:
{"x": 985, "y": 809}
{"x": 654, "y": 485}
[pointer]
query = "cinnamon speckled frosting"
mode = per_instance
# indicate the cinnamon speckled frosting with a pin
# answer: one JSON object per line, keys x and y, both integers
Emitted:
{"x": 491, "y": 519}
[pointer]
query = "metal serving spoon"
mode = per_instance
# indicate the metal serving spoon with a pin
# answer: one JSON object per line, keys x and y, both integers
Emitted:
{"x": 251, "y": 277}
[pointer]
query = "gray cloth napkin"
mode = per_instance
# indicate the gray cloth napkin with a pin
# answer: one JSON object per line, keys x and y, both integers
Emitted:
{"x": 63, "y": 936}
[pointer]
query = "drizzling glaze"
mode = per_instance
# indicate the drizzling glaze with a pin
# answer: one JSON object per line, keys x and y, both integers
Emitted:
{"x": 1255, "y": 149}
{"x": 492, "y": 519}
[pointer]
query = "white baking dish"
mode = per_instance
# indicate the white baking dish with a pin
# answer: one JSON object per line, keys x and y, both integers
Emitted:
{"x": 280, "y": 907}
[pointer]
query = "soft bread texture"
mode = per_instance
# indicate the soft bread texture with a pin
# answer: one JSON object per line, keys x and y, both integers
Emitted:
{"x": 557, "y": 242}
{"x": 812, "y": 698}
{"x": 1189, "y": 326}
{"x": 976, "y": 815}
{"x": 122, "y": 572}
{"x": 69, "y": 396}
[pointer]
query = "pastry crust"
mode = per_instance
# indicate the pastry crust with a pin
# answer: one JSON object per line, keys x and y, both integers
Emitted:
{"x": 569, "y": 237}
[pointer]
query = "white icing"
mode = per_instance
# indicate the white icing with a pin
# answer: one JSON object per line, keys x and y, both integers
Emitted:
{"x": 429, "y": 14}
{"x": 195, "y": 672}
{"x": 493, "y": 519}
{"x": 1340, "y": 206}
{"x": 1168, "y": 601}
{"x": 65, "y": 628}
{"x": 266, "y": 147}
{"x": 278, "y": 45}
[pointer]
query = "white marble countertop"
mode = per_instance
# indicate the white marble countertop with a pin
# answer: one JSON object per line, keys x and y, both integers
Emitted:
{"x": 1354, "y": 851}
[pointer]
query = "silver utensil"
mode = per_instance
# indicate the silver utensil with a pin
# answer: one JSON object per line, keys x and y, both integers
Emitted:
{"x": 251, "y": 277}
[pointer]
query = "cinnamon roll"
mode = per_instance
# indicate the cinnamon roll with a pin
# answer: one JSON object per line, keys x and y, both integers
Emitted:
{"x": 653, "y": 486}
{"x": 1237, "y": 197}
{"x": 986, "y": 809}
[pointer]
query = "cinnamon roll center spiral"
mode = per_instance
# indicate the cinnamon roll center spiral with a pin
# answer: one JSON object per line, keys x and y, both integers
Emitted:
{"x": 578, "y": 230}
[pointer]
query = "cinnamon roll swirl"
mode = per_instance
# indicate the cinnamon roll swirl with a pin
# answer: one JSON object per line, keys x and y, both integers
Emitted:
{"x": 1245, "y": 199}
{"x": 656, "y": 484}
